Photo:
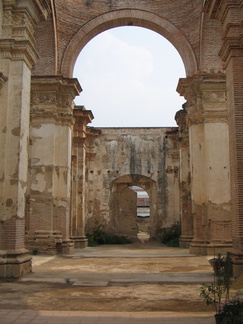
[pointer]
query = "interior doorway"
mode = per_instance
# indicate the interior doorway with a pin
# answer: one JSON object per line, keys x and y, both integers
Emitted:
{"x": 142, "y": 214}
{"x": 133, "y": 207}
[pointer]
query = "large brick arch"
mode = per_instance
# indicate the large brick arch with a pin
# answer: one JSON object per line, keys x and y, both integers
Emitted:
{"x": 128, "y": 17}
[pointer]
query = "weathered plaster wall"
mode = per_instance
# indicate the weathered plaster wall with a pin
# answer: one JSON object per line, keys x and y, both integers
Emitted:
{"x": 18, "y": 20}
{"x": 133, "y": 156}
{"x": 48, "y": 212}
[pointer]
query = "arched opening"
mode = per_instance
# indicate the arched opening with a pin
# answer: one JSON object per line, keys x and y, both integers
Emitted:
{"x": 143, "y": 214}
{"x": 129, "y": 17}
{"x": 129, "y": 76}
{"x": 126, "y": 211}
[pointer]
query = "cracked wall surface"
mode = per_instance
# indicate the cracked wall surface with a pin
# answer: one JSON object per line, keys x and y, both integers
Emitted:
{"x": 133, "y": 156}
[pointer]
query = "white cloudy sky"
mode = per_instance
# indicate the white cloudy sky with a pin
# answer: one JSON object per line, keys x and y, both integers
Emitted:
{"x": 129, "y": 77}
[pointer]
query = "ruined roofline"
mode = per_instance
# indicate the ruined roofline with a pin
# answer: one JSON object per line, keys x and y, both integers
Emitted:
{"x": 163, "y": 127}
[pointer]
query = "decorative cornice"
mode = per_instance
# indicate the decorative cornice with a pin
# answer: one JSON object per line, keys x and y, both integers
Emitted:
{"x": 206, "y": 97}
{"x": 232, "y": 47}
{"x": 52, "y": 99}
{"x": 82, "y": 118}
{"x": 230, "y": 14}
{"x": 18, "y": 27}
{"x": 82, "y": 115}
{"x": 202, "y": 87}
{"x": 55, "y": 82}
{"x": 198, "y": 117}
{"x": 38, "y": 9}
{"x": 218, "y": 9}
{"x": 51, "y": 117}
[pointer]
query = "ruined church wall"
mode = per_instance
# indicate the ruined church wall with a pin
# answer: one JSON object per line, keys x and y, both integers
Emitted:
{"x": 148, "y": 152}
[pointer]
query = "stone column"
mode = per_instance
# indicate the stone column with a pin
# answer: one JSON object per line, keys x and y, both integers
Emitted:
{"x": 230, "y": 14}
{"x": 82, "y": 118}
{"x": 209, "y": 162}
{"x": 185, "y": 180}
{"x": 50, "y": 163}
{"x": 17, "y": 56}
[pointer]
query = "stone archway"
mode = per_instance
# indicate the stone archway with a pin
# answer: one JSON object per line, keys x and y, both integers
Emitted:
{"x": 123, "y": 204}
{"x": 205, "y": 88}
{"x": 130, "y": 17}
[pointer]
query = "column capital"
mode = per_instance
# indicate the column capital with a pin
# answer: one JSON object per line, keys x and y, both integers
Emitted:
{"x": 82, "y": 118}
{"x": 200, "y": 82}
{"x": 52, "y": 99}
{"x": 35, "y": 10}
{"x": 18, "y": 50}
{"x": 206, "y": 97}
{"x": 19, "y": 21}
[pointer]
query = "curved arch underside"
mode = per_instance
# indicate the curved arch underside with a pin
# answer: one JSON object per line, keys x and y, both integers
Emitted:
{"x": 128, "y": 18}
{"x": 134, "y": 179}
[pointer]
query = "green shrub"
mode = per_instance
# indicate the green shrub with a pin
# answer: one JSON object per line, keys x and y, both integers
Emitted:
{"x": 100, "y": 237}
{"x": 171, "y": 236}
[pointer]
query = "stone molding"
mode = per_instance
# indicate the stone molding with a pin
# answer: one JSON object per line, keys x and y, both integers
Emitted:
{"x": 36, "y": 10}
{"x": 232, "y": 47}
{"x": 19, "y": 21}
{"x": 17, "y": 50}
{"x": 229, "y": 13}
{"x": 218, "y": 9}
{"x": 82, "y": 118}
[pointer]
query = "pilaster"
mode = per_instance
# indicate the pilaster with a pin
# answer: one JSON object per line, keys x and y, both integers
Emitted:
{"x": 17, "y": 56}
{"x": 82, "y": 118}
{"x": 209, "y": 161}
{"x": 230, "y": 14}
{"x": 185, "y": 180}
{"x": 50, "y": 163}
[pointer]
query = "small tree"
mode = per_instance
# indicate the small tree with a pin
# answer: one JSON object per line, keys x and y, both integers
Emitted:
{"x": 216, "y": 292}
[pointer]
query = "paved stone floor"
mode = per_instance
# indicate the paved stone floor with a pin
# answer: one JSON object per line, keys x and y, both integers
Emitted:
{"x": 135, "y": 283}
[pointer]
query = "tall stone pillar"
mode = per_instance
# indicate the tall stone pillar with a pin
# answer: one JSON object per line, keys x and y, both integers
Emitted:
{"x": 209, "y": 162}
{"x": 17, "y": 56}
{"x": 186, "y": 219}
{"x": 50, "y": 163}
{"x": 82, "y": 118}
{"x": 230, "y": 14}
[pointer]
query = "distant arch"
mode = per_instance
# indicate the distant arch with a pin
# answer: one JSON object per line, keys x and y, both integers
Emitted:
{"x": 127, "y": 17}
{"x": 120, "y": 199}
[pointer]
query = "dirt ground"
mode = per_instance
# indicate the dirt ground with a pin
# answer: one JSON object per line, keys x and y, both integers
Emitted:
{"x": 128, "y": 278}
{"x": 53, "y": 296}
